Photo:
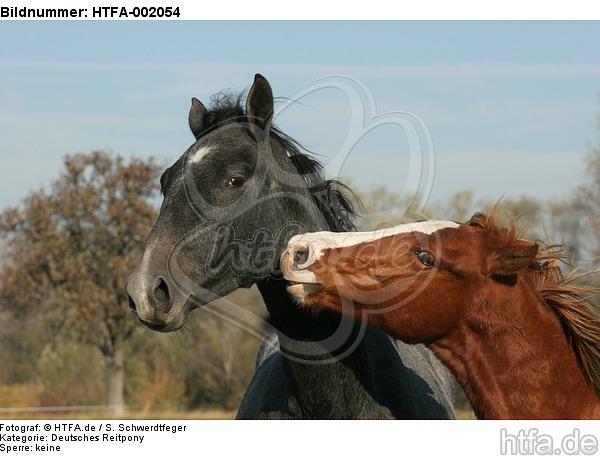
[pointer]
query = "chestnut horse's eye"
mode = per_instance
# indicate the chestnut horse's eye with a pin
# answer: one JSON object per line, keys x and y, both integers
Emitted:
{"x": 426, "y": 257}
{"x": 236, "y": 182}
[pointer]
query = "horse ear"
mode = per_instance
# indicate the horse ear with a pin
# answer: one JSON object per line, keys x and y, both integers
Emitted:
{"x": 259, "y": 104}
{"x": 197, "y": 112}
{"x": 510, "y": 260}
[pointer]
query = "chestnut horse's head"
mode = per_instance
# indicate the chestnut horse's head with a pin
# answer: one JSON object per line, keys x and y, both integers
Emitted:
{"x": 416, "y": 281}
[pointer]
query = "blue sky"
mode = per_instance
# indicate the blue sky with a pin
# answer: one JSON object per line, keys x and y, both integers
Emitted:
{"x": 509, "y": 106}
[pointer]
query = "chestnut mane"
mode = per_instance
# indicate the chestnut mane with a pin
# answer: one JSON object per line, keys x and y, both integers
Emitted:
{"x": 564, "y": 294}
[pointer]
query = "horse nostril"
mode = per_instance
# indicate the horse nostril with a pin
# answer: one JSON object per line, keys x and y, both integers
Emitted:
{"x": 301, "y": 256}
{"x": 162, "y": 296}
{"x": 132, "y": 305}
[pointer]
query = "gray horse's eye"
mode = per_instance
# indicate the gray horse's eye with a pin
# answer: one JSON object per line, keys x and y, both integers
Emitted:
{"x": 236, "y": 182}
{"x": 425, "y": 257}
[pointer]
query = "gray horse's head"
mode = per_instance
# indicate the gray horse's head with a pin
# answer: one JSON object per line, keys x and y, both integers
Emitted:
{"x": 231, "y": 203}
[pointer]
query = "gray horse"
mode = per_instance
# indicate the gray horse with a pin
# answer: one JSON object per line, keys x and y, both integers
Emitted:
{"x": 231, "y": 203}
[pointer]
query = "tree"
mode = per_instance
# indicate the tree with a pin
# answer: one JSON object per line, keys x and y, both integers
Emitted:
{"x": 380, "y": 207}
{"x": 576, "y": 216}
{"x": 587, "y": 197}
{"x": 68, "y": 253}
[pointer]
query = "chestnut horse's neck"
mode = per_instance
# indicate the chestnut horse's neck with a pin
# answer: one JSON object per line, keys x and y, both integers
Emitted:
{"x": 513, "y": 360}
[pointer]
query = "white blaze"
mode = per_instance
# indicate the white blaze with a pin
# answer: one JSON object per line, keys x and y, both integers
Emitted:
{"x": 200, "y": 154}
{"x": 337, "y": 240}
{"x": 323, "y": 240}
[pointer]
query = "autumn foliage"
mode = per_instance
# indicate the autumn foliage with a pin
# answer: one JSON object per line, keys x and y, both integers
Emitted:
{"x": 69, "y": 337}
{"x": 68, "y": 252}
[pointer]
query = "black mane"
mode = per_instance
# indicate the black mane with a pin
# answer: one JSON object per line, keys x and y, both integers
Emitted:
{"x": 330, "y": 195}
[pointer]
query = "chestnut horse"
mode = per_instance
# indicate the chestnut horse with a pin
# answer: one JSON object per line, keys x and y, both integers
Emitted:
{"x": 522, "y": 339}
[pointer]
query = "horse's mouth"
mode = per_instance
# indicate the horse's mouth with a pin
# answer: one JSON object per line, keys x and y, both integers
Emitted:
{"x": 298, "y": 290}
{"x": 159, "y": 327}
{"x": 163, "y": 322}
{"x": 170, "y": 326}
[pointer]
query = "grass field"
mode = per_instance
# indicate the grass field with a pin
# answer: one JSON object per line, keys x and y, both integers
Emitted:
{"x": 461, "y": 414}
{"x": 128, "y": 415}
